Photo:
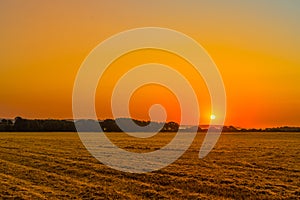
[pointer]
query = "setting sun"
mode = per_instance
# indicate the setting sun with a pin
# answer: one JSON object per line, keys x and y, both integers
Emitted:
{"x": 212, "y": 117}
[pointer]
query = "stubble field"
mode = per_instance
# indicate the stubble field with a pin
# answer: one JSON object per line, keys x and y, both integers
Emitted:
{"x": 241, "y": 166}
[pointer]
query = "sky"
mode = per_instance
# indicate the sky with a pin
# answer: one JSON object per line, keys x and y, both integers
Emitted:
{"x": 255, "y": 44}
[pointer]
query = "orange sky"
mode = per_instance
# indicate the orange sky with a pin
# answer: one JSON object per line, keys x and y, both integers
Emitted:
{"x": 255, "y": 45}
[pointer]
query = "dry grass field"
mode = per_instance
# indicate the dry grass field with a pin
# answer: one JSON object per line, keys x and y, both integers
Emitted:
{"x": 241, "y": 166}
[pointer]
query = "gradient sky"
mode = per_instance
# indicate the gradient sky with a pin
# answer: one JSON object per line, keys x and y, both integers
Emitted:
{"x": 255, "y": 44}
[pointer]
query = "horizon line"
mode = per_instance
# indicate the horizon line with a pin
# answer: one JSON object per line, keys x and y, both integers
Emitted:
{"x": 199, "y": 125}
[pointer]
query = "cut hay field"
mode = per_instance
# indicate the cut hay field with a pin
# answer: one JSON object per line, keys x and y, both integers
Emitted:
{"x": 241, "y": 166}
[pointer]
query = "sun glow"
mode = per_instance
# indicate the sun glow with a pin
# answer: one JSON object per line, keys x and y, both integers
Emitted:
{"x": 212, "y": 117}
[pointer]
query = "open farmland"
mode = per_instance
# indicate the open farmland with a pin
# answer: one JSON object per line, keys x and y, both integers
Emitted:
{"x": 241, "y": 166}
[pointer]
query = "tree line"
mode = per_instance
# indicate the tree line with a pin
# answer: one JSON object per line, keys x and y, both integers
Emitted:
{"x": 108, "y": 125}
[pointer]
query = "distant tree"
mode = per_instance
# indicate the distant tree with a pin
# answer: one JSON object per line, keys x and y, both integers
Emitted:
{"x": 6, "y": 125}
{"x": 19, "y": 124}
{"x": 170, "y": 127}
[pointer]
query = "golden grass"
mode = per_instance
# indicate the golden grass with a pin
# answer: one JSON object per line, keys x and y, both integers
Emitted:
{"x": 241, "y": 166}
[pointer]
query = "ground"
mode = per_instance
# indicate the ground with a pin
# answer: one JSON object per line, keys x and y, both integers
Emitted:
{"x": 241, "y": 166}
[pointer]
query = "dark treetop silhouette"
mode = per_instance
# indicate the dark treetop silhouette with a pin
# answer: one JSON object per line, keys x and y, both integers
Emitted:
{"x": 109, "y": 125}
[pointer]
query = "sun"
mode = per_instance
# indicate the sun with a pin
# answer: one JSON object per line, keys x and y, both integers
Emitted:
{"x": 213, "y": 117}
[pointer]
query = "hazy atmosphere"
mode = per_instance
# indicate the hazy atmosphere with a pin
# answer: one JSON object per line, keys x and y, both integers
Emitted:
{"x": 255, "y": 45}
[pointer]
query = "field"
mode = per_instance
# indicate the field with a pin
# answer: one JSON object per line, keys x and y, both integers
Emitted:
{"x": 241, "y": 166}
